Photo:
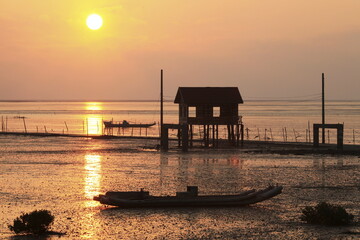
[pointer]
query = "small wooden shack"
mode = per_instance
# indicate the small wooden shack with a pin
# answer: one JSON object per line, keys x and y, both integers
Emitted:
{"x": 211, "y": 107}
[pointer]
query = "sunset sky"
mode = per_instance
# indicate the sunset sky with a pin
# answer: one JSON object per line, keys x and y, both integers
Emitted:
{"x": 270, "y": 49}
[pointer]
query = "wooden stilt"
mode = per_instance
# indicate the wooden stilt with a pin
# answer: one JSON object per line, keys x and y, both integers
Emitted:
{"x": 191, "y": 135}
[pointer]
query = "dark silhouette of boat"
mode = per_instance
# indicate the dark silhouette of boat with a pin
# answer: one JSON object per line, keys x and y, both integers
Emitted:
{"x": 190, "y": 198}
{"x": 126, "y": 124}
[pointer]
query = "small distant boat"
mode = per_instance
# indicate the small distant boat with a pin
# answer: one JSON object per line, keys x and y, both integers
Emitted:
{"x": 126, "y": 124}
{"x": 190, "y": 198}
{"x": 20, "y": 117}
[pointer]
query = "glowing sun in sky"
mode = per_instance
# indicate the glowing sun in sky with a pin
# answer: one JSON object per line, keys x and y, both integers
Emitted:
{"x": 94, "y": 21}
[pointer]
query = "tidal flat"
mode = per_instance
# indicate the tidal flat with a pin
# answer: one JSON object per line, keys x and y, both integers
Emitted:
{"x": 63, "y": 174}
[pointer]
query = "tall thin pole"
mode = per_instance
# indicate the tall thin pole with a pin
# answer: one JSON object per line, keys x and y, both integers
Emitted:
{"x": 323, "y": 107}
{"x": 161, "y": 106}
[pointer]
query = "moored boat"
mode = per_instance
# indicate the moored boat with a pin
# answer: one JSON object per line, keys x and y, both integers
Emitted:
{"x": 125, "y": 124}
{"x": 190, "y": 198}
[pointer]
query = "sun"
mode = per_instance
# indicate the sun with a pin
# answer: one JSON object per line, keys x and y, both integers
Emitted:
{"x": 94, "y": 21}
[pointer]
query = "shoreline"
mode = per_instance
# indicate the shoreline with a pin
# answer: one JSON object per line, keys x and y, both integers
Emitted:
{"x": 249, "y": 146}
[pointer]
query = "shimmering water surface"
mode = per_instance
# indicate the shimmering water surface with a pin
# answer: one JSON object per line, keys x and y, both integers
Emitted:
{"x": 63, "y": 174}
{"x": 269, "y": 120}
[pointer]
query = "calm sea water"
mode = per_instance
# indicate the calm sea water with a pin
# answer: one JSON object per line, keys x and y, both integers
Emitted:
{"x": 63, "y": 174}
{"x": 264, "y": 119}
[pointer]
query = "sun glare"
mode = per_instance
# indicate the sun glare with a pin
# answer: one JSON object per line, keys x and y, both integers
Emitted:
{"x": 94, "y": 21}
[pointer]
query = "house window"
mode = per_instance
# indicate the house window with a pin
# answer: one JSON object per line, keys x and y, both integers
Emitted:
{"x": 192, "y": 111}
{"x": 216, "y": 111}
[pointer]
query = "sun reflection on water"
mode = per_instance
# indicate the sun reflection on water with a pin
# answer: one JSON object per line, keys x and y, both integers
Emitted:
{"x": 92, "y": 180}
{"x": 93, "y": 125}
{"x": 93, "y": 106}
{"x": 93, "y": 121}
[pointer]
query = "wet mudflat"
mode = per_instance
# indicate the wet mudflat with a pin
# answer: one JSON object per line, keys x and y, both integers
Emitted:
{"x": 63, "y": 174}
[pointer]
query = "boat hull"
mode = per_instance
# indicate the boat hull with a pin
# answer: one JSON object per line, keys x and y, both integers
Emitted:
{"x": 243, "y": 199}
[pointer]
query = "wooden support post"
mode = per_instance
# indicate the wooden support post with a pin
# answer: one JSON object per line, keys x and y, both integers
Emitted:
{"x": 204, "y": 137}
{"x": 191, "y": 135}
{"x": 217, "y": 135}
{"x": 229, "y": 133}
{"x": 213, "y": 136}
{"x": 316, "y": 136}
{"x": 242, "y": 134}
{"x": 237, "y": 135}
{"x": 340, "y": 137}
{"x": 164, "y": 138}
{"x": 179, "y": 136}
{"x": 185, "y": 137}
{"x": 208, "y": 135}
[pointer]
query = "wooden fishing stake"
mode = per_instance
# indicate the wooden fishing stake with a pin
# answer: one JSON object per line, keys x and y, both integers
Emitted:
{"x": 354, "y": 136}
{"x": 67, "y": 129}
{"x": 24, "y": 124}
{"x": 328, "y": 136}
{"x": 45, "y": 129}
{"x": 295, "y": 135}
{"x": 272, "y": 139}
{"x": 258, "y": 134}
{"x": 37, "y": 129}
{"x": 87, "y": 127}
{"x": 265, "y": 138}
{"x": 285, "y": 135}
{"x": 247, "y": 133}
{"x": 6, "y": 124}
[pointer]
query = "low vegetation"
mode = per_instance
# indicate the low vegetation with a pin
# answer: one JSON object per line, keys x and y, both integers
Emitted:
{"x": 36, "y": 222}
{"x": 326, "y": 214}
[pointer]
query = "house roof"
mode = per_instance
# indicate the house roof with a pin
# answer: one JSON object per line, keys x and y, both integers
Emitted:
{"x": 208, "y": 95}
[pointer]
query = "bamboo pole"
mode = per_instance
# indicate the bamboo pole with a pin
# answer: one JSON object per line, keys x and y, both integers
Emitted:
{"x": 354, "y": 136}
{"x": 24, "y": 124}
{"x": 67, "y": 129}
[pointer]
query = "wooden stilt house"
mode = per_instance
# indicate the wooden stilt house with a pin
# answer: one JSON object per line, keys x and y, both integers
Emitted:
{"x": 210, "y": 107}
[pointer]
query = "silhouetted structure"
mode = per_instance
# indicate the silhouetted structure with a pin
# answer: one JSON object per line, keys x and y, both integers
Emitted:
{"x": 210, "y": 107}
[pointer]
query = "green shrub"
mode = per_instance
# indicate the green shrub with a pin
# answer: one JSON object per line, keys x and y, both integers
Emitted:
{"x": 326, "y": 214}
{"x": 36, "y": 222}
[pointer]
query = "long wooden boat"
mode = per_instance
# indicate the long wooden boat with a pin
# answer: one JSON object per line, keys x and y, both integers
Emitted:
{"x": 190, "y": 198}
{"x": 125, "y": 124}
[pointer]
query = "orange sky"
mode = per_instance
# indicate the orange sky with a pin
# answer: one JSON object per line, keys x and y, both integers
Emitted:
{"x": 269, "y": 49}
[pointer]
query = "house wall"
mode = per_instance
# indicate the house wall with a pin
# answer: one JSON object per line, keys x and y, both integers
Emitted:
{"x": 205, "y": 114}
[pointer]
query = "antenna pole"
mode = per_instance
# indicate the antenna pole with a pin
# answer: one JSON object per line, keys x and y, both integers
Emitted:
{"x": 161, "y": 106}
{"x": 323, "y": 107}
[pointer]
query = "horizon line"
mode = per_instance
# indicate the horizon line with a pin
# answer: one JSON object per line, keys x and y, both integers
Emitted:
{"x": 165, "y": 100}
